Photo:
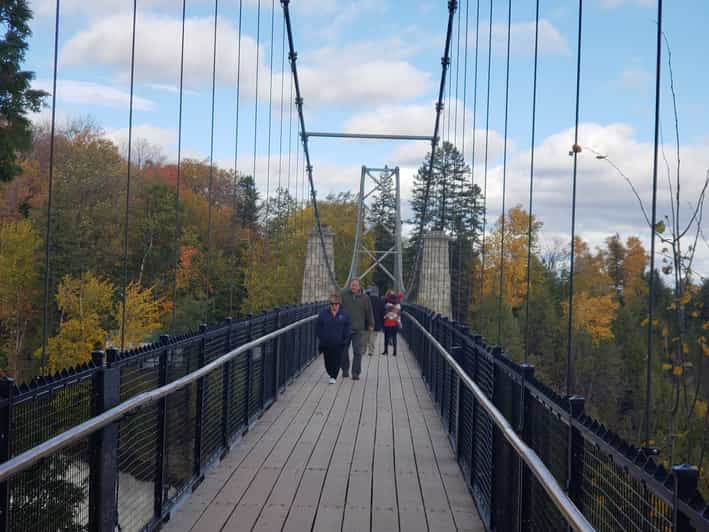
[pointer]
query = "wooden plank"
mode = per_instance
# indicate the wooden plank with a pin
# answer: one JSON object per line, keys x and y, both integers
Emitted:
{"x": 274, "y": 419}
{"x": 330, "y": 507}
{"x": 247, "y": 498}
{"x": 273, "y": 517}
{"x": 385, "y": 507}
{"x": 460, "y": 513}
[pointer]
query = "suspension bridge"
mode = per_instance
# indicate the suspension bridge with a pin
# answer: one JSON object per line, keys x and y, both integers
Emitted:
{"x": 234, "y": 426}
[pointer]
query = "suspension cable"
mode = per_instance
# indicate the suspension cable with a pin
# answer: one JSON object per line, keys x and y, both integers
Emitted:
{"x": 270, "y": 107}
{"x": 504, "y": 180}
{"x": 48, "y": 236}
{"x": 178, "y": 228}
{"x": 235, "y": 183}
{"x": 487, "y": 136}
{"x": 653, "y": 229}
{"x": 569, "y": 369}
{"x": 258, "y": 44}
{"x": 445, "y": 63}
{"x": 531, "y": 188}
{"x": 130, "y": 146}
{"x": 211, "y": 167}
{"x": 309, "y": 167}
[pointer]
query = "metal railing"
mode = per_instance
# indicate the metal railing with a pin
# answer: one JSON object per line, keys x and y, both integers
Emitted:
{"x": 496, "y": 412}
{"x": 118, "y": 444}
{"x": 524, "y": 452}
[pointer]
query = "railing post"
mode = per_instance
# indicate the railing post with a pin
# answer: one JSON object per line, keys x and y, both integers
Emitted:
{"x": 103, "y": 445}
{"x": 262, "y": 349}
{"x": 7, "y": 387}
{"x": 277, "y": 365}
{"x": 249, "y": 373}
{"x": 685, "y": 486}
{"x": 199, "y": 414}
{"x": 527, "y": 373}
{"x": 226, "y": 389}
{"x": 477, "y": 340}
{"x": 575, "y": 451}
{"x": 161, "y": 451}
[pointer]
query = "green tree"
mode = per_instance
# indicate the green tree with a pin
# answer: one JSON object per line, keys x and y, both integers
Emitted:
{"x": 16, "y": 96}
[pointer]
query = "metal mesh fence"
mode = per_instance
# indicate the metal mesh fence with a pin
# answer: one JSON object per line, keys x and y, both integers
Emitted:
{"x": 161, "y": 449}
{"x": 614, "y": 485}
{"x": 53, "y": 494}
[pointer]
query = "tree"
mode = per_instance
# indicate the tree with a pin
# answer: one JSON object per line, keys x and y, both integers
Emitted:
{"x": 16, "y": 96}
{"x": 143, "y": 316}
{"x": 85, "y": 304}
{"x": 19, "y": 249}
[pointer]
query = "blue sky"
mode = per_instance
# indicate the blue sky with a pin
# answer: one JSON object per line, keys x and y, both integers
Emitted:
{"x": 374, "y": 65}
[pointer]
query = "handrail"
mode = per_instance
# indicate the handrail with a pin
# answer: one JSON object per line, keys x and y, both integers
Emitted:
{"x": 30, "y": 457}
{"x": 562, "y": 501}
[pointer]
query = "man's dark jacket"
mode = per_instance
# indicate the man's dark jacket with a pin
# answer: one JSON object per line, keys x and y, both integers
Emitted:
{"x": 358, "y": 308}
{"x": 333, "y": 331}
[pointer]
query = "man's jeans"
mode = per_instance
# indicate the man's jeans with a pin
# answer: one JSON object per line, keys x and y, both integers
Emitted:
{"x": 357, "y": 341}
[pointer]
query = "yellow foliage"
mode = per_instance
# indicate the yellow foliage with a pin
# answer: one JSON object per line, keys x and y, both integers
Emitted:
{"x": 74, "y": 343}
{"x": 84, "y": 296}
{"x": 143, "y": 315}
{"x": 594, "y": 315}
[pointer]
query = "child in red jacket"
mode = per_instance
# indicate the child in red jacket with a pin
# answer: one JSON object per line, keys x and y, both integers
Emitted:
{"x": 392, "y": 319}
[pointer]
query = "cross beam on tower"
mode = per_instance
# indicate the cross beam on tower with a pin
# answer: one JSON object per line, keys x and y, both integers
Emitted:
{"x": 368, "y": 136}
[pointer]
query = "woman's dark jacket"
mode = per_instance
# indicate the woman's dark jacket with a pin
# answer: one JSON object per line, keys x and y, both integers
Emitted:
{"x": 378, "y": 311}
{"x": 332, "y": 330}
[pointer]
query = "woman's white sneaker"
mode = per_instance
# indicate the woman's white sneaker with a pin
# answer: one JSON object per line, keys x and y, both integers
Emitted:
{"x": 332, "y": 380}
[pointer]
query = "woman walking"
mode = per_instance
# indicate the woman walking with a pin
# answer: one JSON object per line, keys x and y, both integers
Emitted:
{"x": 334, "y": 330}
{"x": 392, "y": 319}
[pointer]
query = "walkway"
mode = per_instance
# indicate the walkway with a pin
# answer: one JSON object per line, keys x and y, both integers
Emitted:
{"x": 360, "y": 455}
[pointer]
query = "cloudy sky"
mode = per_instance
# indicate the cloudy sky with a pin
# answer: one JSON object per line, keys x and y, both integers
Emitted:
{"x": 374, "y": 66}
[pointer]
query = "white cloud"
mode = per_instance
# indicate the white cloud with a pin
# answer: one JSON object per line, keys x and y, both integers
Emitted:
{"x": 354, "y": 75}
{"x": 605, "y": 202}
{"x": 551, "y": 41}
{"x": 165, "y": 140}
{"x": 89, "y": 93}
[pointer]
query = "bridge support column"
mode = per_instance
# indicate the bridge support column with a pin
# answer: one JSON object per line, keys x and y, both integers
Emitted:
{"x": 434, "y": 291}
{"x": 316, "y": 281}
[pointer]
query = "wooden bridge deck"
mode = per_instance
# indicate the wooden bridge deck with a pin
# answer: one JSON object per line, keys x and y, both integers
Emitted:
{"x": 359, "y": 455}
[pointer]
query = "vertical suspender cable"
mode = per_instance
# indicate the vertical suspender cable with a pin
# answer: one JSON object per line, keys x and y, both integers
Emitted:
{"x": 130, "y": 146}
{"x": 235, "y": 183}
{"x": 178, "y": 229}
{"x": 504, "y": 181}
{"x": 651, "y": 280}
{"x": 258, "y": 44}
{"x": 569, "y": 343}
{"x": 531, "y": 188}
{"x": 280, "y": 142}
{"x": 48, "y": 236}
{"x": 487, "y": 135}
{"x": 290, "y": 148}
{"x": 445, "y": 62}
{"x": 210, "y": 186}
{"x": 459, "y": 314}
{"x": 475, "y": 116}
{"x": 270, "y": 107}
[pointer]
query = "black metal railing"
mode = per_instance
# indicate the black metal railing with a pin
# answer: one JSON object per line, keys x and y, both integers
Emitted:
{"x": 614, "y": 484}
{"x": 130, "y": 474}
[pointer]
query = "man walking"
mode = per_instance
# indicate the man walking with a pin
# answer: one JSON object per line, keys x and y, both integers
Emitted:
{"x": 357, "y": 306}
{"x": 333, "y": 330}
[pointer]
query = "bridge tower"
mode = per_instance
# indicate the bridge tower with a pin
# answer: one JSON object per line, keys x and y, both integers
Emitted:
{"x": 316, "y": 280}
{"x": 434, "y": 289}
{"x": 373, "y": 180}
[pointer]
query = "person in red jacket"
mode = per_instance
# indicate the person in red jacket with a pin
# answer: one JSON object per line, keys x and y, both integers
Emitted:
{"x": 392, "y": 319}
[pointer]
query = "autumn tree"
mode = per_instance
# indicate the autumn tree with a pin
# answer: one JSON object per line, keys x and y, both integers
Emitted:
{"x": 19, "y": 249}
